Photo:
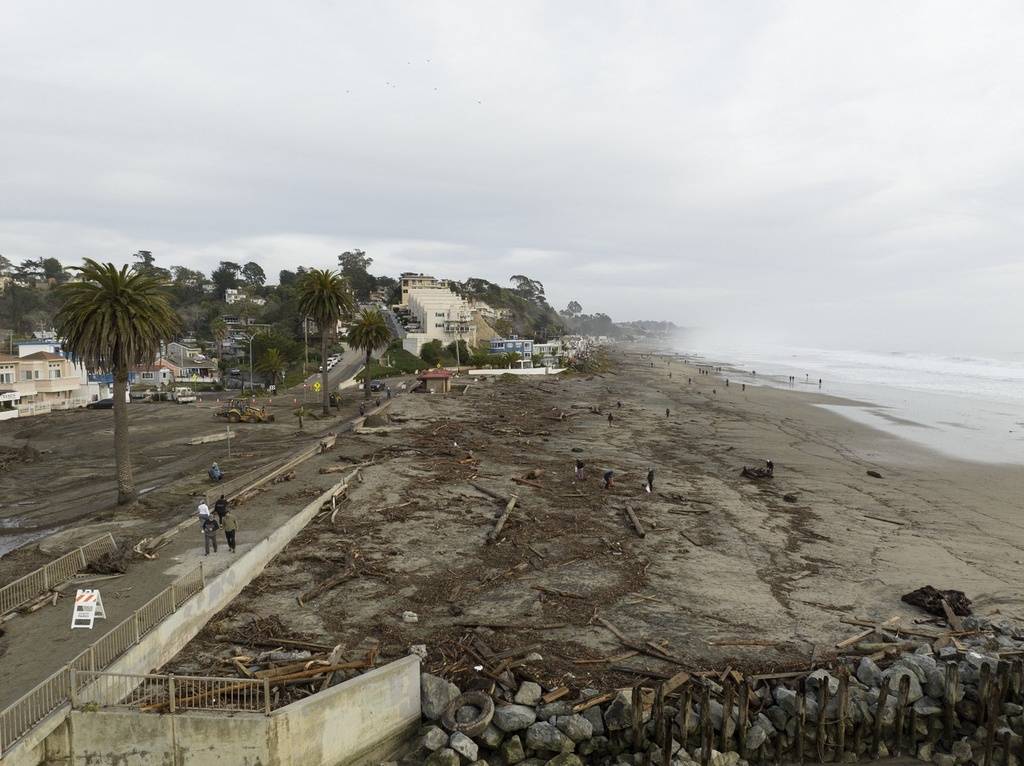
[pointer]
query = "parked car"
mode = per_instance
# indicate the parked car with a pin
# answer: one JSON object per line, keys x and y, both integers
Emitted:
{"x": 184, "y": 395}
{"x": 376, "y": 385}
{"x": 235, "y": 372}
{"x": 102, "y": 404}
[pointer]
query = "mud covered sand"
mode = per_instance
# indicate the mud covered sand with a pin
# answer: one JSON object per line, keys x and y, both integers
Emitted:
{"x": 729, "y": 573}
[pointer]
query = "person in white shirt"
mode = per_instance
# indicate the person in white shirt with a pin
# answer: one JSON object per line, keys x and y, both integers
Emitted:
{"x": 203, "y": 511}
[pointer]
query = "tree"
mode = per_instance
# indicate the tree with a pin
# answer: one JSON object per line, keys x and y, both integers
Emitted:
{"x": 225, "y": 277}
{"x": 324, "y": 296}
{"x": 53, "y": 272}
{"x": 272, "y": 364}
{"x": 368, "y": 333}
{"x": 5, "y": 266}
{"x": 462, "y": 353}
{"x": 481, "y": 356}
{"x": 530, "y": 289}
{"x": 253, "y": 274}
{"x": 219, "y": 331}
{"x": 573, "y": 309}
{"x": 510, "y": 359}
{"x": 354, "y": 267}
{"x": 431, "y": 352}
{"x": 111, "y": 320}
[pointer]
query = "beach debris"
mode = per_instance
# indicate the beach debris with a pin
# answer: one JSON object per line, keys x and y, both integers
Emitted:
{"x": 790, "y": 497}
{"x": 874, "y": 474}
{"x": 938, "y": 602}
{"x": 759, "y": 473}
{"x": 410, "y": 617}
{"x": 635, "y": 521}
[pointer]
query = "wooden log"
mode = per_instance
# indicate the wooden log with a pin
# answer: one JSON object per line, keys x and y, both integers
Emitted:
{"x": 293, "y": 643}
{"x": 598, "y": 700}
{"x": 876, "y": 735}
{"x": 499, "y": 524}
{"x": 631, "y": 514}
{"x": 488, "y": 492}
{"x": 641, "y": 648}
{"x": 951, "y": 617}
{"x": 555, "y": 694}
{"x": 326, "y": 585}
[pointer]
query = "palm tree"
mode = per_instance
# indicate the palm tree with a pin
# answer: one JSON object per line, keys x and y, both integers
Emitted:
{"x": 272, "y": 364}
{"x": 219, "y": 330}
{"x": 368, "y": 333}
{"x": 324, "y": 296}
{"x": 112, "y": 319}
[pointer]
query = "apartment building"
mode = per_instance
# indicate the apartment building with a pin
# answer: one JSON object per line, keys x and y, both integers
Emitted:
{"x": 439, "y": 314}
{"x": 410, "y": 281}
{"x": 515, "y": 344}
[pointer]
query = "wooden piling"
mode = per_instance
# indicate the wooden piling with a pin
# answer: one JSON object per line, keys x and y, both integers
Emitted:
{"x": 801, "y": 713}
{"x": 684, "y": 715}
{"x": 706, "y": 732}
{"x": 658, "y": 712}
{"x": 984, "y": 681}
{"x": 821, "y": 736}
{"x": 724, "y": 738}
{"x": 876, "y": 735}
{"x": 744, "y": 704}
{"x": 901, "y": 706}
{"x": 949, "y": 703}
{"x": 638, "y": 717}
{"x": 844, "y": 696}
{"x": 666, "y": 739}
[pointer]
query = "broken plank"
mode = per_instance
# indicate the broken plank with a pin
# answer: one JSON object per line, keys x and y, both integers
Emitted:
{"x": 555, "y": 694}
{"x": 499, "y": 524}
{"x": 598, "y": 700}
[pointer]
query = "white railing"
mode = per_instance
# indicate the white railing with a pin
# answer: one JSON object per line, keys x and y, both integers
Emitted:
{"x": 20, "y": 717}
{"x": 42, "y": 580}
{"x": 169, "y": 694}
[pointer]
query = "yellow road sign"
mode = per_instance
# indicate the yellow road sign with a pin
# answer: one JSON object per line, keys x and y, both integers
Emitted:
{"x": 316, "y": 386}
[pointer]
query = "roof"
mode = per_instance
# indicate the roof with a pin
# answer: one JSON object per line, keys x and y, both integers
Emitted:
{"x": 434, "y": 375}
{"x": 43, "y": 355}
{"x": 8, "y": 358}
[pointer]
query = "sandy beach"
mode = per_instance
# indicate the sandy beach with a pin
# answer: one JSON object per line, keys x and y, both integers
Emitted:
{"x": 728, "y": 574}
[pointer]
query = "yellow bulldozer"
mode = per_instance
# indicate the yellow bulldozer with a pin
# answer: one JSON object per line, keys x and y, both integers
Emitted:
{"x": 242, "y": 411}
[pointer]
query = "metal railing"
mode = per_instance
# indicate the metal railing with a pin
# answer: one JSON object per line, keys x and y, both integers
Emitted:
{"x": 20, "y": 717}
{"x": 169, "y": 694}
{"x": 38, "y": 582}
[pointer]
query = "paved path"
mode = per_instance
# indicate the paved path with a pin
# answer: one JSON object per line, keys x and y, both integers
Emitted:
{"x": 40, "y": 643}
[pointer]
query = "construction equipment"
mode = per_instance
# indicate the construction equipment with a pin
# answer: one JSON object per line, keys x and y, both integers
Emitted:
{"x": 242, "y": 411}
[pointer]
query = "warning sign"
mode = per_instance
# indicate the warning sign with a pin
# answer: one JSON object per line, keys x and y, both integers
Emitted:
{"x": 88, "y": 606}
{"x": 316, "y": 386}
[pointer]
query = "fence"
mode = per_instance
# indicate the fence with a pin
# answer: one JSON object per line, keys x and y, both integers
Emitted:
{"x": 36, "y": 583}
{"x": 157, "y": 693}
{"x": 21, "y": 716}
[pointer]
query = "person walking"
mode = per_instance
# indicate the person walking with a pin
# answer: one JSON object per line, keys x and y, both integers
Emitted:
{"x": 579, "y": 470}
{"x": 667, "y": 413}
{"x": 608, "y": 479}
{"x": 220, "y": 508}
{"x": 203, "y": 511}
{"x": 210, "y": 527}
{"x": 650, "y": 481}
{"x": 230, "y": 524}
{"x": 610, "y": 418}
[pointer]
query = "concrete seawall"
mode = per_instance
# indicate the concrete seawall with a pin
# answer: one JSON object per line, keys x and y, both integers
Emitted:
{"x": 355, "y": 723}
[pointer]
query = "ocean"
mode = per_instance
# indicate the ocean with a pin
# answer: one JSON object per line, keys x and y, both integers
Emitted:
{"x": 967, "y": 407}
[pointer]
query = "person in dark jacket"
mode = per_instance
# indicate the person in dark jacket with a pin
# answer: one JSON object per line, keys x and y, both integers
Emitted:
{"x": 650, "y": 480}
{"x": 230, "y": 527}
{"x": 220, "y": 508}
{"x": 210, "y": 527}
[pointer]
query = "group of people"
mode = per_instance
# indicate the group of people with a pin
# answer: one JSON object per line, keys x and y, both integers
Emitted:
{"x": 221, "y": 518}
{"x": 609, "y": 476}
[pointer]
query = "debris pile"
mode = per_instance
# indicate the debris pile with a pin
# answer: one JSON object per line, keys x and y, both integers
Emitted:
{"x": 957, "y": 700}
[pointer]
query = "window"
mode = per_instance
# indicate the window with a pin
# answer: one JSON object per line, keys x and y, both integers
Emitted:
{"x": 6, "y": 377}
{"x": 28, "y": 374}
{"x": 439, "y": 324}
{"x": 439, "y": 314}
{"x": 55, "y": 373}
{"x": 37, "y": 374}
{"x": 147, "y": 376}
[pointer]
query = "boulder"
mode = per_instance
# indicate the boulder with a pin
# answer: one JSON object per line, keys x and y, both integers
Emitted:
{"x": 619, "y": 714}
{"x": 868, "y": 673}
{"x": 757, "y": 735}
{"x": 464, "y": 746}
{"x": 942, "y": 759}
{"x": 434, "y": 738}
{"x": 491, "y": 736}
{"x": 565, "y": 759}
{"x": 962, "y": 751}
{"x": 593, "y": 714}
{"x": 545, "y": 736}
{"x": 925, "y": 751}
{"x": 921, "y": 664}
{"x": 898, "y": 672}
{"x": 927, "y": 706}
{"x": 596, "y": 744}
{"x": 820, "y": 678}
{"x": 435, "y": 695}
{"x": 443, "y": 757}
{"x": 777, "y": 716}
{"x": 575, "y": 727}
{"x": 554, "y": 708}
{"x": 529, "y": 693}
{"x": 511, "y": 750}
{"x": 785, "y": 699}
{"x": 511, "y": 718}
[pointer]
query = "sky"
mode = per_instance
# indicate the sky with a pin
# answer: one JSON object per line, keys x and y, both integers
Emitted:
{"x": 836, "y": 174}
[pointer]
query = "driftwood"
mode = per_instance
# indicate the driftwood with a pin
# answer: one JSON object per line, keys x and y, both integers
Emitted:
{"x": 930, "y": 599}
{"x": 500, "y": 523}
{"x": 631, "y": 514}
{"x": 488, "y": 492}
{"x": 327, "y": 442}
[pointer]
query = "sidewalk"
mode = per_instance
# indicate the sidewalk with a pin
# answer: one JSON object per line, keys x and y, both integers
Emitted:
{"x": 40, "y": 643}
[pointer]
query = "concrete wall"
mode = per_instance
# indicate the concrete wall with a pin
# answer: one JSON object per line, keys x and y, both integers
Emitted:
{"x": 356, "y": 723}
{"x": 170, "y": 636}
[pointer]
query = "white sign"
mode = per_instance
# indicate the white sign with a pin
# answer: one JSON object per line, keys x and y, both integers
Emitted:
{"x": 88, "y": 606}
{"x": 10, "y": 396}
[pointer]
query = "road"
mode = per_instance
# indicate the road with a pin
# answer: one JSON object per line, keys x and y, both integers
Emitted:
{"x": 350, "y": 363}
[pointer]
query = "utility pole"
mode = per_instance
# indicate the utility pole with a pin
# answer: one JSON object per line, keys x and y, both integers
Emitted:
{"x": 305, "y": 343}
{"x": 251, "y": 387}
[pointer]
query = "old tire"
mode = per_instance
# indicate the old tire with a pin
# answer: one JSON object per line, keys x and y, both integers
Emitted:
{"x": 474, "y": 728}
{"x": 234, "y": 417}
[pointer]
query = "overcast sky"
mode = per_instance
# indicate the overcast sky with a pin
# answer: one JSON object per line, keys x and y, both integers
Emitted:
{"x": 842, "y": 174}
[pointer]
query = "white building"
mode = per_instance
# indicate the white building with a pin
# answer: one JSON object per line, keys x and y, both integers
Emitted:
{"x": 547, "y": 354}
{"x": 41, "y": 379}
{"x": 232, "y": 295}
{"x": 411, "y": 281}
{"x": 441, "y": 314}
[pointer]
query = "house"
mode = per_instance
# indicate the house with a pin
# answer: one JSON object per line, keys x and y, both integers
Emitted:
{"x": 437, "y": 314}
{"x": 41, "y": 379}
{"x": 547, "y": 354}
{"x": 233, "y": 295}
{"x": 162, "y": 372}
{"x": 435, "y": 382}
{"x": 515, "y": 344}
{"x": 181, "y": 350}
